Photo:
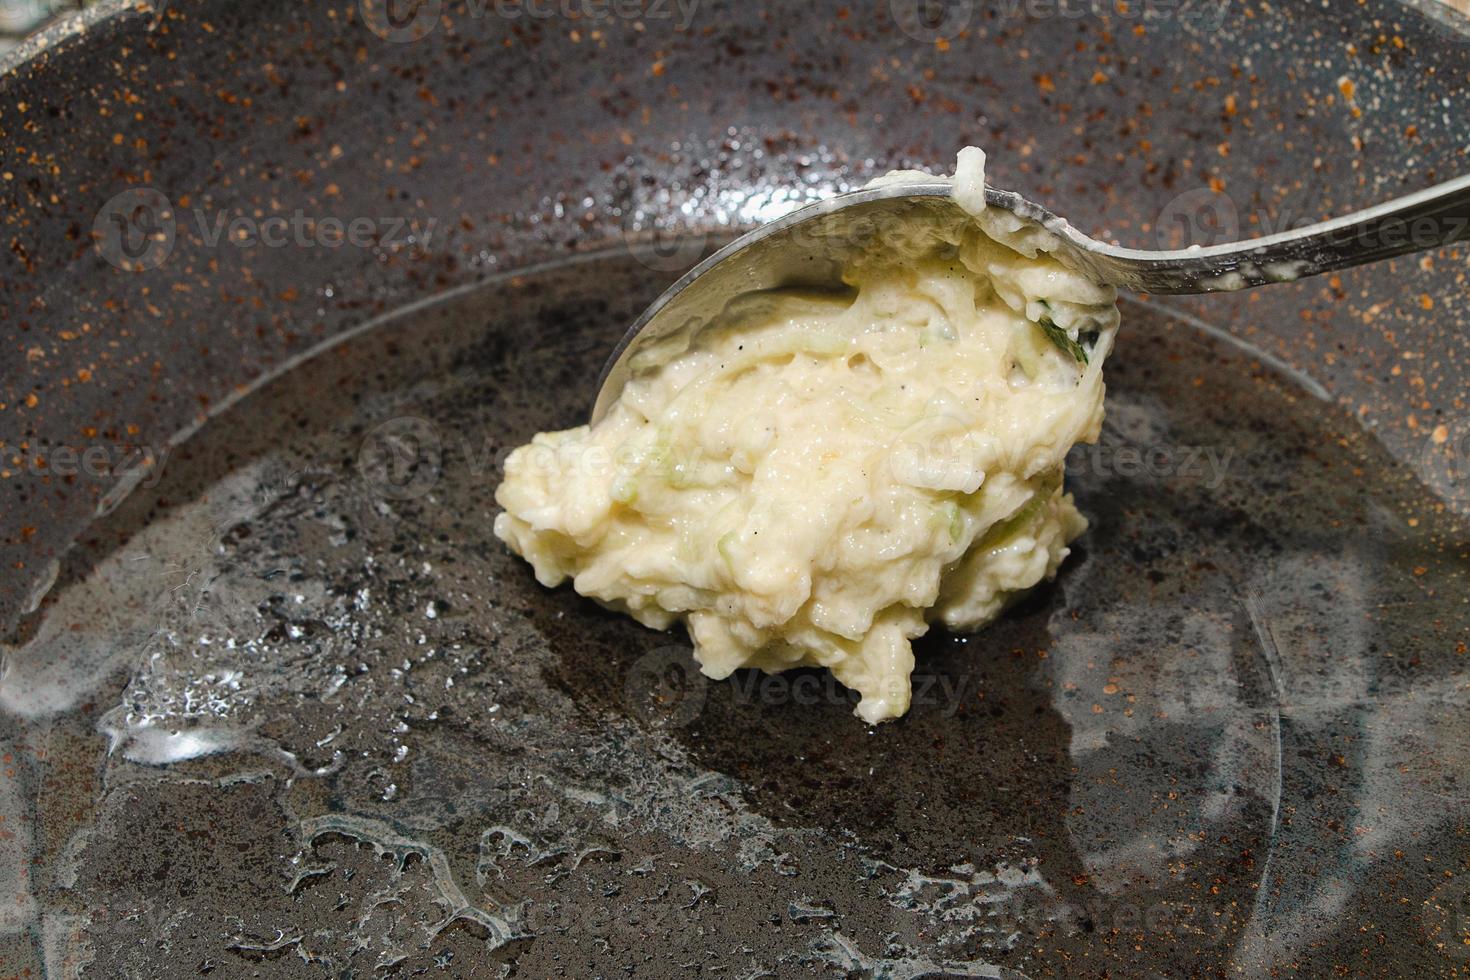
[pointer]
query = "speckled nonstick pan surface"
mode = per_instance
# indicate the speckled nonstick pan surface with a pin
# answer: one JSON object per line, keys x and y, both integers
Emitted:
{"x": 289, "y": 709}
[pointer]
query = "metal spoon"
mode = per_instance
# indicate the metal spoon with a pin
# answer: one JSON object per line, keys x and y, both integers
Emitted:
{"x": 810, "y": 246}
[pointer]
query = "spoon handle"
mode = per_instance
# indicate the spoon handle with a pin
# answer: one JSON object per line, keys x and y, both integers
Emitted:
{"x": 1427, "y": 219}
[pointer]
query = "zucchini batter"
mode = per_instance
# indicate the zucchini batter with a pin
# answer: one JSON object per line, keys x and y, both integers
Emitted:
{"x": 820, "y": 477}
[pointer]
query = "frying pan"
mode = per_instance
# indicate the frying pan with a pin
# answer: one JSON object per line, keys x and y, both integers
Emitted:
{"x": 284, "y": 282}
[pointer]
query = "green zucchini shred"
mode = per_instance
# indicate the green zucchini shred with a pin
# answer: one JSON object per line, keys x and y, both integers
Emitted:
{"x": 1064, "y": 341}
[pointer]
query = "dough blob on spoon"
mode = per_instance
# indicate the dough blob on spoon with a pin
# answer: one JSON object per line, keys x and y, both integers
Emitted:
{"x": 815, "y": 478}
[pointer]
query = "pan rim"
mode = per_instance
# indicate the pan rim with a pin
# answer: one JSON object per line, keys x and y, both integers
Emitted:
{"x": 73, "y": 24}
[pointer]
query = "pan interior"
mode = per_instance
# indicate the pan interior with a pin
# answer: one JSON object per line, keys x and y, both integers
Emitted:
{"x": 304, "y": 650}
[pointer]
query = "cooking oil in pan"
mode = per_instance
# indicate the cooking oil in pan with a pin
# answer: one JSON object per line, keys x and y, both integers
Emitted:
{"x": 298, "y": 705}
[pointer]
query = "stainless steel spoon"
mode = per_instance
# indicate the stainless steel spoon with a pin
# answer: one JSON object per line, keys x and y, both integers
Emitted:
{"x": 810, "y": 246}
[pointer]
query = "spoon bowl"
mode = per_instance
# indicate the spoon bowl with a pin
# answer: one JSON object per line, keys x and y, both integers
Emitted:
{"x": 810, "y": 247}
